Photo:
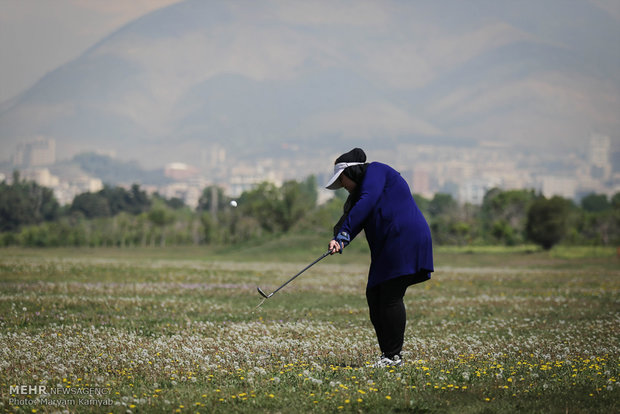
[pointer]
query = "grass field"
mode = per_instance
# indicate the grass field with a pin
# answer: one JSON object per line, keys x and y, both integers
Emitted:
{"x": 178, "y": 330}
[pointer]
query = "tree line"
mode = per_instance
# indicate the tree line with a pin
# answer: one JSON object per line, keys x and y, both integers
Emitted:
{"x": 114, "y": 216}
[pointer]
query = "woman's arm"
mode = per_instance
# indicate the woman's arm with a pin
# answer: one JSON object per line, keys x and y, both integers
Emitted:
{"x": 370, "y": 192}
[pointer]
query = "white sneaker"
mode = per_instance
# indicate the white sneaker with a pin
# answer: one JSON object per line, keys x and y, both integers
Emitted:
{"x": 386, "y": 362}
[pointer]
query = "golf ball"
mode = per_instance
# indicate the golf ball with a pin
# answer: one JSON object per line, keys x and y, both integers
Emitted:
{"x": 233, "y": 203}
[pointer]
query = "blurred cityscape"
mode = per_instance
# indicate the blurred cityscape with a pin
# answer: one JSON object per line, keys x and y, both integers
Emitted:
{"x": 466, "y": 173}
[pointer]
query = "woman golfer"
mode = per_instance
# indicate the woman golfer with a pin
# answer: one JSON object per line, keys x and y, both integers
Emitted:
{"x": 381, "y": 204}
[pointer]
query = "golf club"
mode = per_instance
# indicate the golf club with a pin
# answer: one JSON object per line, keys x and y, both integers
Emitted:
{"x": 263, "y": 294}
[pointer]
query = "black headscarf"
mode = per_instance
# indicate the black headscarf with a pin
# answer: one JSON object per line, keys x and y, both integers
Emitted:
{"x": 356, "y": 173}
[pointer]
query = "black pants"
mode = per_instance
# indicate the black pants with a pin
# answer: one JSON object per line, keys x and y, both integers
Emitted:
{"x": 387, "y": 312}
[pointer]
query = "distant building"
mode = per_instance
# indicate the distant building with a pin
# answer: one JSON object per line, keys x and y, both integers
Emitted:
{"x": 420, "y": 182}
{"x": 41, "y": 176}
{"x": 599, "y": 156}
{"x": 473, "y": 191}
{"x": 66, "y": 191}
{"x": 188, "y": 192}
{"x": 37, "y": 153}
{"x": 180, "y": 171}
{"x": 558, "y": 186}
{"x": 213, "y": 157}
{"x": 245, "y": 178}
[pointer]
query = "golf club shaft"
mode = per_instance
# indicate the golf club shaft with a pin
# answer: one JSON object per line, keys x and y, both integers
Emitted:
{"x": 291, "y": 279}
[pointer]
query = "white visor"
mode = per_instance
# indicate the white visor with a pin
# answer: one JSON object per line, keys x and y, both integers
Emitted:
{"x": 334, "y": 183}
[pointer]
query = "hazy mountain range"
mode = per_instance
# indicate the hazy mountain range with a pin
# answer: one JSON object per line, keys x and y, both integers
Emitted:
{"x": 326, "y": 75}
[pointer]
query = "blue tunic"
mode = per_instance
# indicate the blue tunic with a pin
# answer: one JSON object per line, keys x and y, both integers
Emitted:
{"x": 397, "y": 233}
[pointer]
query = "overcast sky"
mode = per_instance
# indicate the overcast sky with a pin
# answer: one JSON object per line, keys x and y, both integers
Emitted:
{"x": 37, "y": 36}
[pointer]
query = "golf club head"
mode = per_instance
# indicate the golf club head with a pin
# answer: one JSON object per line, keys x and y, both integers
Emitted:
{"x": 263, "y": 293}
